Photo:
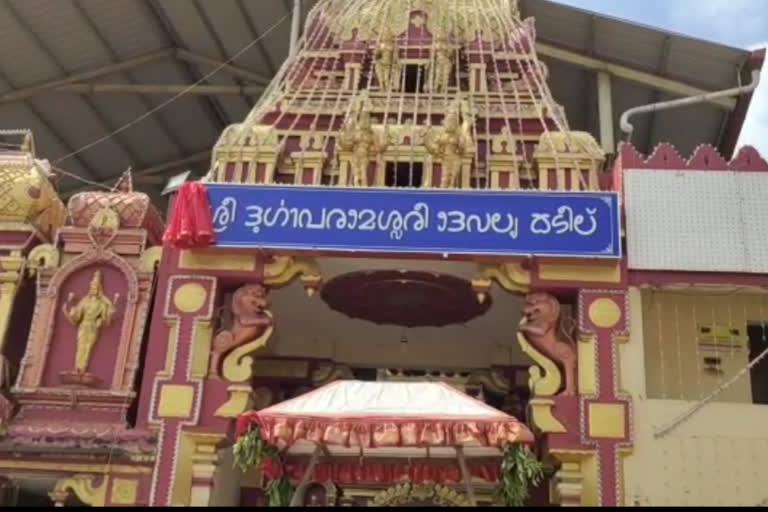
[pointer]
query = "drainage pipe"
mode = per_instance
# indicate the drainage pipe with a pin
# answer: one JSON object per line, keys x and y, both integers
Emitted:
{"x": 629, "y": 128}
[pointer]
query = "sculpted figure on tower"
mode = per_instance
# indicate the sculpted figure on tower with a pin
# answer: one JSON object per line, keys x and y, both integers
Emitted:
{"x": 365, "y": 144}
{"x": 441, "y": 74}
{"x": 387, "y": 65}
{"x": 450, "y": 144}
{"x": 90, "y": 315}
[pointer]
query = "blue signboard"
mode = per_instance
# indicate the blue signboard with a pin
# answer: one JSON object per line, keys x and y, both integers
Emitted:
{"x": 443, "y": 222}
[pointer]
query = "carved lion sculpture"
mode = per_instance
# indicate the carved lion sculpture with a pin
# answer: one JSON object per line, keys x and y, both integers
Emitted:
{"x": 249, "y": 308}
{"x": 542, "y": 312}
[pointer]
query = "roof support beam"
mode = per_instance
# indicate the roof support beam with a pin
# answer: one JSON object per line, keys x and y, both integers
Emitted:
{"x": 194, "y": 58}
{"x": 110, "y": 69}
{"x": 164, "y": 127}
{"x": 214, "y": 36}
{"x": 28, "y": 92}
{"x": 260, "y": 46}
{"x": 212, "y": 108}
{"x": 632, "y": 75}
{"x": 119, "y": 139}
{"x": 605, "y": 107}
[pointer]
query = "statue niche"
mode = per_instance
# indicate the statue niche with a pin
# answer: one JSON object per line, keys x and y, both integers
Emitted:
{"x": 540, "y": 328}
{"x": 251, "y": 320}
{"x": 90, "y": 315}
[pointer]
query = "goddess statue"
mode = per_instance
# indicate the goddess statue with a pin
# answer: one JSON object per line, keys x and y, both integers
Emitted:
{"x": 450, "y": 145}
{"x": 93, "y": 312}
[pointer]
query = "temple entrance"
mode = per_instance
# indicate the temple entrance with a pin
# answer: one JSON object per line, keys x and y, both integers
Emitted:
{"x": 383, "y": 320}
{"x": 398, "y": 319}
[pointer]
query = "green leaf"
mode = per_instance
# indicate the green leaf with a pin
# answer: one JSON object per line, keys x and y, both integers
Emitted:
{"x": 520, "y": 470}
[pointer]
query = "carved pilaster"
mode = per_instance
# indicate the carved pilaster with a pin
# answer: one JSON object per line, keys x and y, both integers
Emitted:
{"x": 566, "y": 488}
{"x": 205, "y": 461}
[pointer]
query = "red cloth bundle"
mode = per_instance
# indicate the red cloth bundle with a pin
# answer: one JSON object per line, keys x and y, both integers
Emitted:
{"x": 191, "y": 225}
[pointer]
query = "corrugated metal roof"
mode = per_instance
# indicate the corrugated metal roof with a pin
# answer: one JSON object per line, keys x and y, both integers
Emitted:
{"x": 45, "y": 40}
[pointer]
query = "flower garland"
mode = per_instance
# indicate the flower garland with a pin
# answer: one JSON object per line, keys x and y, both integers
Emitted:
{"x": 252, "y": 451}
{"x": 519, "y": 470}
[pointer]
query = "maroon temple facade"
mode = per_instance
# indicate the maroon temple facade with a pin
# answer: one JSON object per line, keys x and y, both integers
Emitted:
{"x": 127, "y": 361}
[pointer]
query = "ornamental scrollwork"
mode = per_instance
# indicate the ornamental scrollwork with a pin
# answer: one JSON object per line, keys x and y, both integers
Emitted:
{"x": 539, "y": 337}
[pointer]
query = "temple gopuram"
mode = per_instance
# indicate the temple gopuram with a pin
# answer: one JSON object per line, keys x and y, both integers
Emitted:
{"x": 404, "y": 280}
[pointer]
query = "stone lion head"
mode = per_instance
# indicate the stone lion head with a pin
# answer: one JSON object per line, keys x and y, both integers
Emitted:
{"x": 541, "y": 308}
{"x": 250, "y": 302}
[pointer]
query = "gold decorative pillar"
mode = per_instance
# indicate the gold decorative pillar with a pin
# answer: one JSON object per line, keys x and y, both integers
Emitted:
{"x": 504, "y": 163}
{"x": 11, "y": 271}
{"x": 478, "y": 80}
{"x": 352, "y": 75}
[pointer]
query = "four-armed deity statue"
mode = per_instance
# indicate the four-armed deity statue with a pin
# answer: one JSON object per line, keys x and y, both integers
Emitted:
{"x": 91, "y": 314}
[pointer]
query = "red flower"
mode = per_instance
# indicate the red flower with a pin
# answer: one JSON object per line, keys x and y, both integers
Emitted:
{"x": 272, "y": 468}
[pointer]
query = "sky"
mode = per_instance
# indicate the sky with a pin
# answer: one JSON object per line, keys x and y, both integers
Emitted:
{"x": 738, "y": 23}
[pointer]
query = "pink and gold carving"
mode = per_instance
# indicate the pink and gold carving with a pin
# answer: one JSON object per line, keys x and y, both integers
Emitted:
{"x": 89, "y": 316}
{"x": 539, "y": 329}
{"x": 605, "y": 414}
{"x": 252, "y": 327}
{"x": 44, "y": 256}
{"x": 134, "y": 210}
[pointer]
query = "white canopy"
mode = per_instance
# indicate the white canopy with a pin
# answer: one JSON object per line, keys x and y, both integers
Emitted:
{"x": 387, "y": 419}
